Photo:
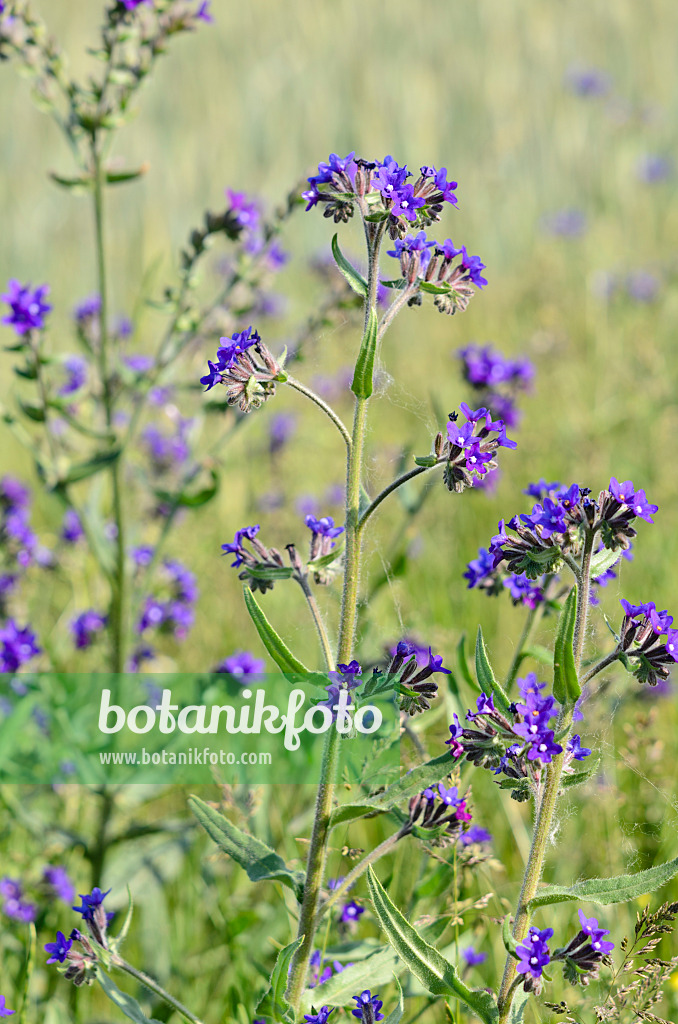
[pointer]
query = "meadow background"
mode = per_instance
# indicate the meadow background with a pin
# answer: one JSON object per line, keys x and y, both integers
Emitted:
{"x": 253, "y": 103}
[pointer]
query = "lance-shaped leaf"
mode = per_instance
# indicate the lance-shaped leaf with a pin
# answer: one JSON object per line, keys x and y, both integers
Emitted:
{"x": 356, "y": 280}
{"x": 362, "y": 385}
{"x": 191, "y": 497}
{"x": 602, "y": 561}
{"x": 605, "y": 891}
{"x": 127, "y": 1004}
{"x": 486, "y": 676}
{"x": 518, "y": 1006}
{"x": 416, "y": 780}
{"x": 429, "y": 966}
{"x": 259, "y": 861}
{"x": 566, "y": 688}
{"x": 82, "y": 470}
{"x": 116, "y": 943}
{"x": 577, "y": 778}
{"x": 273, "y": 1003}
{"x": 291, "y": 667}
{"x": 398, "y": 1010}
{"x": 375, "y": 970}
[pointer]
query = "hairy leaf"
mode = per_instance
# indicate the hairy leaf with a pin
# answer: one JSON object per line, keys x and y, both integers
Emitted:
{"x": 273, "y": 1003}
{"x": 416, "y": 780}
{"x": 356, "y": 280}
{"x": 604, "y": 891}
{"x": 127, "y": 1004}
{"x": 259, "y": 861}
{"x": 291, "y": 667}
{"x": 566, "y": 688}
{"x": 424, "y": 961}
{"x": 362, "y": 385}
{"x": 486, "y": 676}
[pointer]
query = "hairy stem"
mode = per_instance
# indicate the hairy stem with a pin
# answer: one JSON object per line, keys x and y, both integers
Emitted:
{"x": 157, "y": 989}
{"x": 327, "y": 409}
{"x": 549, "y": 798}
{"x": 319, "y": 624}
{"x": 315, "y": 866}
{"x": 609, "y": 659}
{"x": 374, "y": 504}
{"x": 117, "y": 601}
{"x": 360, "y": 868}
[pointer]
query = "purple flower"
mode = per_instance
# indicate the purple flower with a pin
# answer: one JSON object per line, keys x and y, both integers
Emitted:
{"x": 17, "y": 646}
{"x": 541, "y": 489}
{"x": 534, "y": 952}
{"x": 456, "y": 734}
{"x": 13, "y": 493}
{"x": 418, "y": 243}
{"x": 320, "y": 1017}
{"x": 131, "y": 5}
{"x": 14, "y": 905}
{"x": 87, "y": 309}
{"x": 587, "y": 81}
{"x": 590, "y": 927}
{"x": 550, "y": 517}
{"x": 390, "y": 177}
{"x": 475, "y": 834}
{"x": 138, "y": 362}
{"x": 203, "y": 13}
{"x": 236, "y": 548}
{"x": 405, "y": 203}
{"x": 350, "y": 912}
{"x": 243, "y": 666}
{"x": 368, "y": 1007}
{"x": 28, "y": 308}
{"x": 85, "y": 627}
{"x": 4, "y": 1009}
{"x": 642, "y": 285}
{"x": 652, "y": 168}
{"x": 472, "y": 958}
{"x": 323, "y": 527}
{"x": 642, "y": 507}
{"x": 57, "y": 879}
{"x": 142, "y": 555}
{"x": 58, "y": 950}
{"x": 281, "y": 429}
{"x": 480, "y": 568}
{"x": 76, "y": 368}
{"x": 474, "y": 266}
{"x": 575, "y": 748}
{"x": 568, "y": 223}
{"x": 244, "y": 209}
{"x": 71, "y": 527}
{"x": 524, "y": 590}
{"x": 90, "y": 903}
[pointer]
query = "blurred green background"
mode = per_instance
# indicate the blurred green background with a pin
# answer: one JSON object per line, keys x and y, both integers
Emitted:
{"x": 254, "y": 102}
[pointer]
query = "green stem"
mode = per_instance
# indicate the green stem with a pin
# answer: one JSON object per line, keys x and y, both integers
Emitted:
{"x": 374, "y": 504}
{"x": 353, "y": 875}
{"x": 315, "y": 870}
{"x": 528, "y": 627}
{"x": 34, "y": 345}
{"x": 549, "y": 799}
{"x": 157, "y": 989}
{"x": 327, "y": 409}
{"x": 315, "y": 866}
{"x": 319, "y": 624}
{"x": 117, "y": 601}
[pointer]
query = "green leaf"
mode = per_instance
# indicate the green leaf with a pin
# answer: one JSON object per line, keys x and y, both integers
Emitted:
{"x": 364, "y": 367}
{"x": 510, "y": 944}
{"x": 116, "y": 943}
{"x": 518, "y": 1007}
{"x": 486, "y": 676}
{"x": 416, "y": 780}
{"x": 577, "y": 778}
{"x": 398, "y": 282}
{"x": 426, "y": 461}
{"x": 605, "y": 891}
{"x": 191, "y": 499}
{"x": 272, "y": 572}
{"x": 27, "y": 975}
{"x": 566, "y": 688}
{"x": 290, "y": 666}
{"x": 33, "y": 411}
{"x": 463, "y": 664}
{"x": 273, "y": 1003}
{"x": 127, "y": 1004}
{"x": 324, "y": 560}
{"x": 424, "y": 961}
{"x": 82, "y": 470}
{"x": 375, "y": 970}
{"x": 121, "y": 177}
{"x": 539, "y": 653}
{"x": 603, "y": 561}
{"x": 434, "y": 289}
{"x": 356, "y": 280}
{"x": 259, "y": 861}
{"x": 396, "y": 1013}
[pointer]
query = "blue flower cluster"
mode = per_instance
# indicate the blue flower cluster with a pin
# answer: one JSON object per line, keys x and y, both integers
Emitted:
{"x": 496, "y": 379}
